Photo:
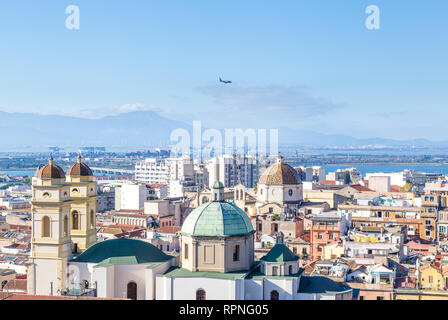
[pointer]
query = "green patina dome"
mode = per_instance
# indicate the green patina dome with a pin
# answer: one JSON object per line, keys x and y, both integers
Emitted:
{"x": 280, "y": 253}
{"x": 122, "y": 251}
{"x": 219, "y": 218}
{"x": 218, "y": 185}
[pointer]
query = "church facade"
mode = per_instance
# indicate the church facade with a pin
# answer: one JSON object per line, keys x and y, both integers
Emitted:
{"x": 63, "y": 224}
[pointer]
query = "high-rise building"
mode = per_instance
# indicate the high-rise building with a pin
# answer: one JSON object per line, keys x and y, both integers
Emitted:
{"x": 162, "y": 171}
{"x": 233, "y": 169}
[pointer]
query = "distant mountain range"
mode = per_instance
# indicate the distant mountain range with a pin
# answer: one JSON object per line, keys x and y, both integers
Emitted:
{"x": 142, "y": 129}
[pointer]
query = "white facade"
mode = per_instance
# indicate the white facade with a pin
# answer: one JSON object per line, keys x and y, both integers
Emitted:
{"x": 232, "y": 170}
{"x": 162, "y": 171}
{"x": 134, "y": 196}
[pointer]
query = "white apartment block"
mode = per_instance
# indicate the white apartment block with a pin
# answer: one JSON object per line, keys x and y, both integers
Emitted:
{"x": 233, "y": 169}
{"x": 162, "y": 171}
{"x": 134, "y": 196}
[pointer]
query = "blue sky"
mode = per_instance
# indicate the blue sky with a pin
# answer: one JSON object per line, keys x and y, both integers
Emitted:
{"x": 310, "y": 65}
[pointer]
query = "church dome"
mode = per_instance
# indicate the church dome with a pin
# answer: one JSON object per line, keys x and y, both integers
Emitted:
{"x": 122, "y": 251}
{"x": 279, "y": 174}
{"x": 217, "y": 219}
{"x": 79, "y": 169}
{"x": 218, "y": 185}
{"x": 50, "y": 171}
{"x": 280, "y": 253}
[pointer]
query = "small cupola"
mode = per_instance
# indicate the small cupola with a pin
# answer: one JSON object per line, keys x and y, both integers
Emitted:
{"x": 218, "y": 192}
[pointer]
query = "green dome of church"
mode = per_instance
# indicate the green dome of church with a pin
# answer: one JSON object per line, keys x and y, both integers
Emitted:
{"x": 122, "y": 251}
{"x": 217, "y": 219}
{"x": 218, "y": 185}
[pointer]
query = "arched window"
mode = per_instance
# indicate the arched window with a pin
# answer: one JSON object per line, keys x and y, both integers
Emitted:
{"x": 92, "y": 219}
{"x": 46, "y": 227}
{"x": 132, "y": 290}
{"x": 290, "y": 269}
{"x": 290, "y": 192}
{"x": 46, "y": 195}
{"x": 65, "y": 226}
{"x": 75, "y": 220}
{"x": 274, "y": 295}
{"x": 204, "y": 200}
{"x": 200, "y": 294}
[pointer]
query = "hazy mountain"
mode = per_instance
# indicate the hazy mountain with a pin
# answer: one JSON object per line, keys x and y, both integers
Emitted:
{"x": 142, "y": 129}
{"x": 26, "y": 131}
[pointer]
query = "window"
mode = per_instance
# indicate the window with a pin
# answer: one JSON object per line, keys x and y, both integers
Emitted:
{"x": 271, "y": 210}
{"x": 186, "y": 251}
{"x": 431, "y": 279}
{"x": 274, "y": 295}
{"x": 65, "y": 226}
{"x": 275, "y": 227}
{"x": 427, "y": 222}
{"x": 330, "y": 235}
{"x": 75, "y": 220}
{"x": 236, "y": 253}
{"x": 260, "y": 227}
{"x": 361, "y": 297}
{"x": 290, "y": 192}
{"x": 274, "y": 271}
{"x": 379, "y": 298}
{"x": 92, "y": 218}
{"x": 290, "y": 269}
{"x": 46, "y": 227}
{"x": 200, "y": 294}
{"x": 319, "y": 235}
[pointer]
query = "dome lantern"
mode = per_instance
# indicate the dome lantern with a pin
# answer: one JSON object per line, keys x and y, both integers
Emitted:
{"x": 218, "y": 191}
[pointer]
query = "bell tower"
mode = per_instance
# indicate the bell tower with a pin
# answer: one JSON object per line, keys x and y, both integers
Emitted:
{"x": 50, "y": 239}
{"x": 83, "y": 194}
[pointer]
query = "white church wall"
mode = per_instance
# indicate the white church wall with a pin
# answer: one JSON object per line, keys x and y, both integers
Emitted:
{"x": 104, "y": 276}
{"x": 150, "y": 275}
{"x": 45, "y": 274}
{"x": 284, "y": 287}
{"x": 128, "y": 273}
{"x": 253, "y": 289}
{"x": 216, "y": 289}
{"x": 164, "y": 288}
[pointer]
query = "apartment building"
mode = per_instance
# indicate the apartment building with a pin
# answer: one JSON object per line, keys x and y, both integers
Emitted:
{"x": 233, "y": 169}
{"x": 419, "y": 224}
{"x": 161, "y": 171}
{"x": 134, "y": 196}
{"x": 326, "y": 227}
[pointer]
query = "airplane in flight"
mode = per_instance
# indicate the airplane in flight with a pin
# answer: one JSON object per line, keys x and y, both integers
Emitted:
{"x": 224, "y": 81}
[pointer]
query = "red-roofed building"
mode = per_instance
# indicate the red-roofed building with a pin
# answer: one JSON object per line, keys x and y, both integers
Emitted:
{"x": 360, "y": 188}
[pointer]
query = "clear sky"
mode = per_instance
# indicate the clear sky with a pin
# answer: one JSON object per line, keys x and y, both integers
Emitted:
{"x": 294, "y": 63}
